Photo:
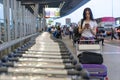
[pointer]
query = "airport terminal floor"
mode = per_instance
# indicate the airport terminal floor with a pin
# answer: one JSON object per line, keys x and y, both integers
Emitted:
{"x": 111, "y": 54}
{"x": 47, "y": 58}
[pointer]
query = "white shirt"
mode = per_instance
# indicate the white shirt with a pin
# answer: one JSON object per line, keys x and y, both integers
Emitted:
{"x": 87, "y": 32}
{"x": 70, "y": 29}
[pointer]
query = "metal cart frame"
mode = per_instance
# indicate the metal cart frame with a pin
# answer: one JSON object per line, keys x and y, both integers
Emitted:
{"x": 92, "y": 47}
{"x": 89, "y": 45}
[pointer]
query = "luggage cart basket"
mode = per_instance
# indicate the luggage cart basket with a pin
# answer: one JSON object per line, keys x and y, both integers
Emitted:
{"x": 88, "y": 45}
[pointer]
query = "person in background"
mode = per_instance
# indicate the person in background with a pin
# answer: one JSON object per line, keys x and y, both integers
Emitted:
{"x": 70, "y": 32}
{"x": 87, "y": 26}
{"x": 76, "y": 35}
{"x": 118, "y": 32}
{"x": 58, "y": 35}
{"x": 113, "y": 34}
{"x": 64, "y": 30}
{"x": 100, "y": 36}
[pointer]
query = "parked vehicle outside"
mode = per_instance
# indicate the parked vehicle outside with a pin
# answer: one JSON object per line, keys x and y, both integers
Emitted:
{"x": 101, "y": 29}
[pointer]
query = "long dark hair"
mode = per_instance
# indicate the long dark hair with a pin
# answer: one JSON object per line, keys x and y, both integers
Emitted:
{"x": 84, "y": 14}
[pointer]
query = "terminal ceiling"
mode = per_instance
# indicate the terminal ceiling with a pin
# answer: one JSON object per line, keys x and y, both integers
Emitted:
{"x": 67, "y": 6}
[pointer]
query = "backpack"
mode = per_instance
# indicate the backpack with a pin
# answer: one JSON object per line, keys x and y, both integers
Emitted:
{"x": 76, "y": 34}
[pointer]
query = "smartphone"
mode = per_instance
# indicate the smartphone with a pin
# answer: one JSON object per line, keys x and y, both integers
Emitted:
{"x": 87, "y": 25}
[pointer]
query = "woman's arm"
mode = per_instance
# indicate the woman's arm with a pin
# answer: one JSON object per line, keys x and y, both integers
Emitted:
{"x": 80, "y": 27}
{"x": 94, "y": 29}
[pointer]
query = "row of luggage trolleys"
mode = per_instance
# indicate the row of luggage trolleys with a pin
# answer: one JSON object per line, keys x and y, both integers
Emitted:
{"x": 47, "y": 59}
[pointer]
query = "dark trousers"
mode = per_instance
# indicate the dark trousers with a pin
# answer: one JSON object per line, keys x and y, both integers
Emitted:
{"x": 113, "y": 37}
{"x": 100, "y": 40}
{"x": 70, "y": 35}
{"x": 119, "y": 35}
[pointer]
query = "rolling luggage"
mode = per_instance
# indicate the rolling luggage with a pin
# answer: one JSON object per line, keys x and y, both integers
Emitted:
{"x": 96, "y": 70}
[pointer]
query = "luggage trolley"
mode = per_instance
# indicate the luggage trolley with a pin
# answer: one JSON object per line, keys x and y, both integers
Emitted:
{"x": 88, "y": 45}
{"x": 97, "y": 71}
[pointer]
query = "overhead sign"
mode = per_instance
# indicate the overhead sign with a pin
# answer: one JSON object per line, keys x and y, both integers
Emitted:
{"x": 52, "y": 12}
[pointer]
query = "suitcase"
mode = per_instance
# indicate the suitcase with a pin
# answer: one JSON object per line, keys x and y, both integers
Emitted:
{"x": 96, "y": 70}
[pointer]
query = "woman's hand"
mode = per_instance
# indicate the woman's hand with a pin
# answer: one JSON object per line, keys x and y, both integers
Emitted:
{"x": 92, "y": 31}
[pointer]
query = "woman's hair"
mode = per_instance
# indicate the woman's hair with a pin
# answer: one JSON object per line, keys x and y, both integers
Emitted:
{"x": 84, "y": 13}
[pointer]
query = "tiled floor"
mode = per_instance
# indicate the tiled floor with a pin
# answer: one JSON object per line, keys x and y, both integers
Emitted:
{"x": 111, "y": 55}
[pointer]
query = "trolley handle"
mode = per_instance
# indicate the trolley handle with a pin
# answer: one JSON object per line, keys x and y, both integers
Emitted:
{"x": 86, "y": 40}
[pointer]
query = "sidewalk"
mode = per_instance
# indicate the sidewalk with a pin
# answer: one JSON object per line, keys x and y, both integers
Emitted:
{"x": 111, "y": 53}
{"x": 112, "y": 42}
{"x": 69, "y": 44}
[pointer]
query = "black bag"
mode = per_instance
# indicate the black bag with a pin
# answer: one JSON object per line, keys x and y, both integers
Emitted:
{"x": 90, "y": 58}
{"x": 76, "y": 34}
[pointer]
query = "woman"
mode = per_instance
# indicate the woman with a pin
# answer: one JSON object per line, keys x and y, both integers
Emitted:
{"x": 87, "y": 26}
